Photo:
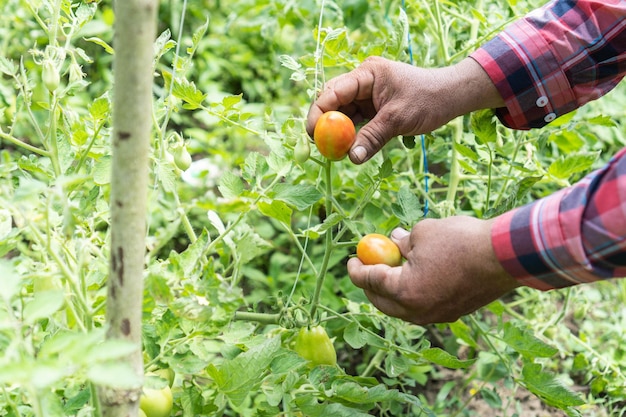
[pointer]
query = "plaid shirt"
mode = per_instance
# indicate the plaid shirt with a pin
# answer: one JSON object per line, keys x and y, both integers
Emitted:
{"x": 549, "y": 63}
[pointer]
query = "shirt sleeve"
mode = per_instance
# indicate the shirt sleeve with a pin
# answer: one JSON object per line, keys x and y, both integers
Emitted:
{"x": 556, "y": 59}
{"x": 576, "y": 235}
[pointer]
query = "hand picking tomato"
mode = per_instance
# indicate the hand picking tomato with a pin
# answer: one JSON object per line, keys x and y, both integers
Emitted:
{"x": 334, "y": 135}
{"x": 314, "y": 345}
{"x": 156, "y": 402}
{"x": 375, "y": 249}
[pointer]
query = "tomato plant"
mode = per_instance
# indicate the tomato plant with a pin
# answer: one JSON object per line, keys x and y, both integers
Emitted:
{"x": 334, "y": 135}
{"x": 156, "y": 402}
{"x": 314, "y": 345}
{"x": 375, "y": 249}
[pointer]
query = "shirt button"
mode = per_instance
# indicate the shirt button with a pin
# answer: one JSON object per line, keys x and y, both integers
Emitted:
{"x": 542, "y": 101}
{"x": 549, "y": 117}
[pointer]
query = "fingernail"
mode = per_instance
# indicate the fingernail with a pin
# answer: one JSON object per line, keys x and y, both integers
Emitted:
{"x": 360, "y": 153}
{"x": 399, "y": 233}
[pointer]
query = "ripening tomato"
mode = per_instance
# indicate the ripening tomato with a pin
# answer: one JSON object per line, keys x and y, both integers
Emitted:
{"x": 375, "y": 249}
{"x": 334, "y": 135}
{"x": 314, "y": 345}
{"x": 157, "y": 402}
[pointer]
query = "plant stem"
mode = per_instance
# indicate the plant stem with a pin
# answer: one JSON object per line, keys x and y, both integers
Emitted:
{"x": 24, "y": 145}
{"x": 328, "y": 245}
{"x": 453, "y": 183}
{"x": 263, "y": 318}
{"x": 52, "y": 137}
{"x": 374, "y": 363}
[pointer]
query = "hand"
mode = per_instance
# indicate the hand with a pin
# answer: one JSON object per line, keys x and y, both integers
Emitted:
{"x": 400, "y": 99}
{"x": 450, "y": 270}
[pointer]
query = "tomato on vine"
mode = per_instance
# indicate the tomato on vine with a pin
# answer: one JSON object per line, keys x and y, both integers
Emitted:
{"x": 375, "y": 249}
{"x": 301, "y": 151}
{"x": 314, "y": 345}
{"x": 156, "y": 402}
{"x": 334, "y": 135}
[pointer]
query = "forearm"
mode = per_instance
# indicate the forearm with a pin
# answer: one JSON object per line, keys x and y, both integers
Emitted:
{"x": 573, "y": 236}
{"x": 471, "y": 88}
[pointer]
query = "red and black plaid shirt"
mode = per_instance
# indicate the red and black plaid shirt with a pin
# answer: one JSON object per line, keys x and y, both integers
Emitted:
{"x": 549, "y": 63}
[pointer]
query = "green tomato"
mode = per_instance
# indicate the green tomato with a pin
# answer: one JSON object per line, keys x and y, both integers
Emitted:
{"x": 314, "y": 345}
{"x": 302, "y": 151}
{"x": 156, "y": 402}
{"x": 182, "y": 158}
{"x": 50, "y": 76}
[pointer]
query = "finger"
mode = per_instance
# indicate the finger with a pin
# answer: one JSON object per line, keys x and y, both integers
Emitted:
{"x": 402, "y": 238}
{"x": 340, "y": 94}
{"x": 372, "y": 137}
{"x": 381, "y": 279}
{"x": 386, "y": 305}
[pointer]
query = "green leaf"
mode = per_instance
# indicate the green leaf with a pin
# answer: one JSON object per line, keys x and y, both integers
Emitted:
{"x": 166, "y": 176}
{"x": 254, "y": 167}
{"x": 516, "y": 193}
{"x": 319, "y": 229}
{"x": 277, "y": 210}
{"x": 6, "y": 223}
{"x": 385, "y": 170}
{"x": 311, "y": 408}
{"x": 107, "y": 48}
{"x": 567, "y": 141}
{"x": 548, "y": 388}
{"x": 396, "y": 365}
{"x": 100, "y": 107}
{"x": 7, "y": 66}
{"x": 231, "y": 186}
{"x": 407, "y": 209}
{"x": 524, "y": 342}
{"x": 466, "y": 151}
{"x": 299, "y": 196}
{"x": 463, "y": 332}
{"x": 9, "y": 280}
{"x": 443, "y": 358}
{"x": 229, "y": 102}
{"x": 484, "y": 126}
{"x": 113, "y": 374}
{"x": 102, "y": 171}
{"x": 237, "y": 377}
{"x": 568, "y": 165}
{"x": 354, "y": 336}
{"x": 43, "y": 305}
{"x": 186, "y": 90}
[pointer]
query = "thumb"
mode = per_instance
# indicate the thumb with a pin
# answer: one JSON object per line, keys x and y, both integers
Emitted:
{"x": 401, "y": 237}
{"x": 371, "y": 138}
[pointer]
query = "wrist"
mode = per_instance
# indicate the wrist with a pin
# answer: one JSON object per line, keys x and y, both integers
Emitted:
{"x": 472, "y": 88}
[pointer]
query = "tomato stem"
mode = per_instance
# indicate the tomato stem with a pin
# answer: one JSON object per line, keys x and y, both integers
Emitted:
{"x": 328, "y": 244}
{"x": 264, "y": 318}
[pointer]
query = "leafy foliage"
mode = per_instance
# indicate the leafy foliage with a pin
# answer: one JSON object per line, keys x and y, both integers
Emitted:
{"x": 246, "y": 246}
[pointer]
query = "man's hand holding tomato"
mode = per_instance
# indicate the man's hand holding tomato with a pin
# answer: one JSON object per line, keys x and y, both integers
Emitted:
{"x": 450, "y": 270}
{"x": 400, "y": 99}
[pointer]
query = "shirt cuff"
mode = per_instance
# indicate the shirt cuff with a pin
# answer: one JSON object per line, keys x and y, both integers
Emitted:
{"x": 528, "y": 75}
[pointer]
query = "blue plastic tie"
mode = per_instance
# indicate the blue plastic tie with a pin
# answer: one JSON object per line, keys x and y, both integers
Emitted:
{"x": 425, "y": 158}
